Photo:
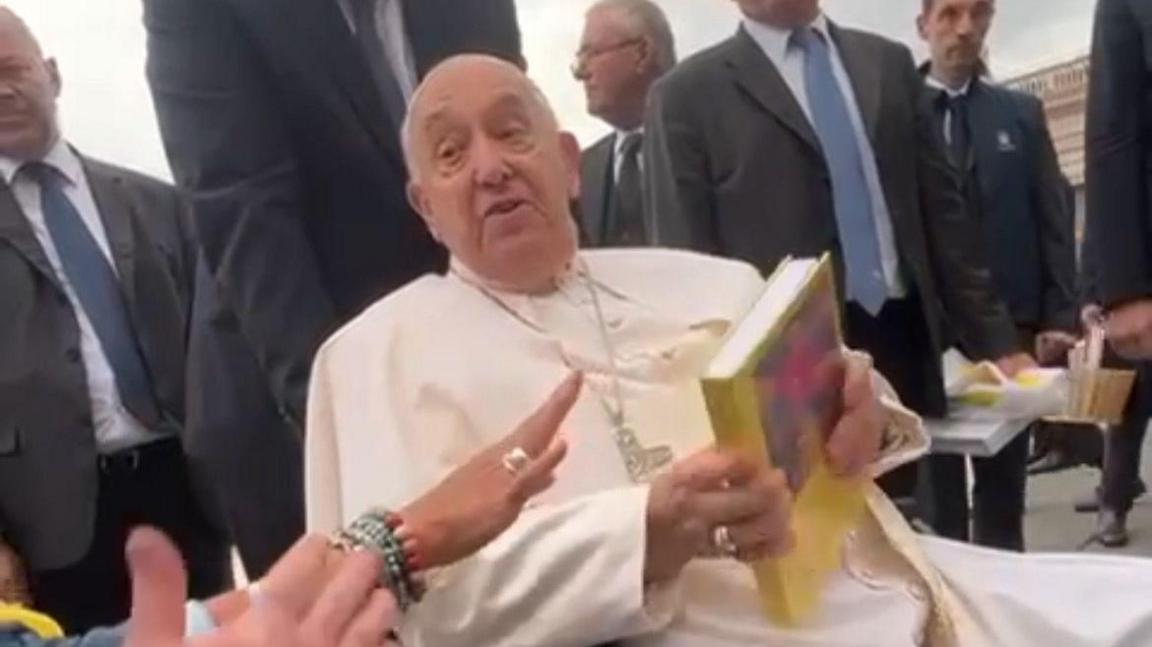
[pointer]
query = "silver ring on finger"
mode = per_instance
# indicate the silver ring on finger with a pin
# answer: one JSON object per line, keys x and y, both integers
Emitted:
{"x": 515, "y": 460}
{"x": 722, "y": 541}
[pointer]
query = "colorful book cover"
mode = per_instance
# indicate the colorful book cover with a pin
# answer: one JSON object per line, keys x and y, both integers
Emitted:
{"x": 780, "y": 407}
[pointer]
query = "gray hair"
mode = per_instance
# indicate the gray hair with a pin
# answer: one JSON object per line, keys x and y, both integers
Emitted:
{"x": 647, "y": 19}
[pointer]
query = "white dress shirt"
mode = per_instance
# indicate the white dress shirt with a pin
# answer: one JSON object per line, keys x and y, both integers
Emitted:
{"x": 953, "y": 93}
{"x": 116, "y": 428}
{"x": 618, "y": 148}
{"x": 397, "y": 47}
{"x": 789, "y": 60}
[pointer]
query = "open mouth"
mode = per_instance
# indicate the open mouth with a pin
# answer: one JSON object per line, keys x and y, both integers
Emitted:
{"x": 504, "y": 207}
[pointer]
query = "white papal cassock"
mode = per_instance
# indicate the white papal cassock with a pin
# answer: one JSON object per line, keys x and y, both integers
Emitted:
{"x": 439, "y": 369}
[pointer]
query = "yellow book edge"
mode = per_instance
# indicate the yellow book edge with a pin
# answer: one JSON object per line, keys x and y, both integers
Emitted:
{"x": 826, "y": 506}
{"x": 37, "y": 623}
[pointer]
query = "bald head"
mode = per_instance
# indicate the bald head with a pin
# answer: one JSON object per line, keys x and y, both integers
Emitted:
{"x": 14, "y": 33}
{"x": 29, "y": 85}
{"x": 491, "y": 173}
{"x": 468, "y": 66}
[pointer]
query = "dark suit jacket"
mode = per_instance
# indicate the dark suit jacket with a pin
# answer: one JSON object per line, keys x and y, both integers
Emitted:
{"x": 272, "y": 120}
{"x": 596, "y": 185}
{"x": 48, "y": 478}
{"x": 735, "y": 168}
{"x": 1017, "y": 194}
{"x": 1118, "y": 146}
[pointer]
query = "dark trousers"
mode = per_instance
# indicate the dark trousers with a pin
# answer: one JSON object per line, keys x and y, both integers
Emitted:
{"x": 1123, "y": 445}
{"x": 148, "y": 486}
{"x": 902, "y": 349}
{"x": 237, "y": 438}
{"x": 999, "y": 494}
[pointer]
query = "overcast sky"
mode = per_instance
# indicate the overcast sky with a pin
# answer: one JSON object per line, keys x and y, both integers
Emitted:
{"x": 107, "y": 112}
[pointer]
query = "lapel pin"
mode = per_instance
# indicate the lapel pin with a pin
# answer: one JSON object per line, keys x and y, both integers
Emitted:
{"x": 1004, "y": 140}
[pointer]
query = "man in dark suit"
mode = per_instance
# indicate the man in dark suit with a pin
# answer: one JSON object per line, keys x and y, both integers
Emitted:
{"x": 998, "y": 139}
{"x": 1118, "y": 235}
{"x": 626, "y": 46}
{"x": 282, "y": 120}
{"x": 96, "y": 267}
{"x": 798, "y": 137}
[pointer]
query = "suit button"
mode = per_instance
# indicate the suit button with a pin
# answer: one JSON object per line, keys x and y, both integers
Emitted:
{"x": 73, "y": 355}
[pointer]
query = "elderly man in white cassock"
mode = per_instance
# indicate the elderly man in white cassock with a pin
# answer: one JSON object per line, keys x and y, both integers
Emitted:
{"x": 627, "y": 546}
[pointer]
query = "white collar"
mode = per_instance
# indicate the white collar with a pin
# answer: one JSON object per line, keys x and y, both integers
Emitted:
{"x": 622, "y": 135}
{"x": 776, "y": 40}
{"x": 472, "y": 277}
{"x": 59, "y": 157}
{"x": 937, "y": 84}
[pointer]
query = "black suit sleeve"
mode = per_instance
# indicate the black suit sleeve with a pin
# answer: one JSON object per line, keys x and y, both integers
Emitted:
{"x": 1055, "y": 219}
{"x": 228, "y": 143}
{"x": 1117, "y": 124}
{"x": 1088, "y": 293}
{"x": 680, "y": 210}
{"x": 955, "y": 251}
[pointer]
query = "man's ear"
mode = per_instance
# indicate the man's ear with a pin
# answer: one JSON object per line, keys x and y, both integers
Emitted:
{"x": 419, "y": 202}
{"x": 570, "y": 151}
{"x": 646, "y": 61}
{"x": 922, "y": 26}
{"x": 54, "y": 76}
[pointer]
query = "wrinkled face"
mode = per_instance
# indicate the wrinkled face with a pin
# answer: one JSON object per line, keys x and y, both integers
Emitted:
{"x": 955, "y": 31}
{"x": 29, "y": 86}
{"x": 781, "y": 13}
{"x": 491, "y": 174}
{"x": 614, "y": 65}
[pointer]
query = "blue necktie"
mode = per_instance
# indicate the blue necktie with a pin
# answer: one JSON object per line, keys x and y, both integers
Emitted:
{"x": 864, "y": 273}
{"x": 98, "y": 290}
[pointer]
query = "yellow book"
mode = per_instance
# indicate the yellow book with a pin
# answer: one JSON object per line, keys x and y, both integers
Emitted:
{"x": 774, "y": 391}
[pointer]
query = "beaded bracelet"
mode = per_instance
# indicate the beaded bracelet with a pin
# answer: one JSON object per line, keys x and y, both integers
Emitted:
{"x": 383, "y": 532}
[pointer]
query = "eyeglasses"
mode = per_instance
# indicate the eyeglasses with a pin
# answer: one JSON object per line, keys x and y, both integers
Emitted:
{"x": 586, "y": 54}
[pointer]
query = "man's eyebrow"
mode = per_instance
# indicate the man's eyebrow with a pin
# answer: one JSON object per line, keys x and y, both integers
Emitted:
{"x": 435, "y": 120}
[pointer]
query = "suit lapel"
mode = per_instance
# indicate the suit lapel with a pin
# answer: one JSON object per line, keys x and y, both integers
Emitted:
{"x": 595, "y": 192}
{"x": 116, "y": 214}
{"x": 865, "y": 72}
{"x": 15, "y": 229}
{"x": 984, "y": 128}
{"x": 758, "y": 76}
{"x": 422, "y": 23}
{"x": 322, "y": 23}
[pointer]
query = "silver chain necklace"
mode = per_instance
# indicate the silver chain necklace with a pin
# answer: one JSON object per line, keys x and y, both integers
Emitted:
{"x": 641, "y": 462}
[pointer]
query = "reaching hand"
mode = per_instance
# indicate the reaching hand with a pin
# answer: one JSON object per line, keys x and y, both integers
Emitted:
{"x": 301, "y": 604}
{"x": 1012, "y": 365}
{"x": 482, "y": 498}
{"x": 1129, "y": 329}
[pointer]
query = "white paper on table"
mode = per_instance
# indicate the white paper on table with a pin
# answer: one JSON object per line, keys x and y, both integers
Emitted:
{"x": 982, "y": 390}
